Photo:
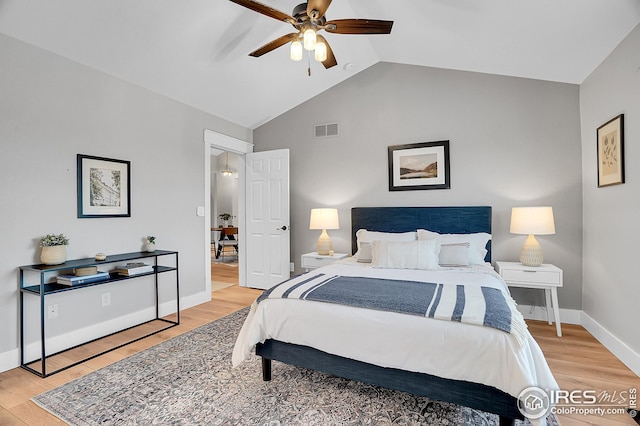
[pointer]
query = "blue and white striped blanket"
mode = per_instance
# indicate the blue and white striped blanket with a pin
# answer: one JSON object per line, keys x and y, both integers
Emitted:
{"x": 466, "y": 303}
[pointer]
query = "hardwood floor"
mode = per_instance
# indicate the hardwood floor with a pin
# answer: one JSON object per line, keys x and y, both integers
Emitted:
{"x": 223, "y": 274}
{"x": 577, "y": 360}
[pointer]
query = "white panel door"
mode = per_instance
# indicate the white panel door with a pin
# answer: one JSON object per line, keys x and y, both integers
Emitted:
{"x": 267, "y": 218}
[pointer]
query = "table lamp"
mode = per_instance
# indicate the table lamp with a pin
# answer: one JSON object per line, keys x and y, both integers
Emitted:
{"x": 324, "y": 219}
{"x": 532, "y": 221}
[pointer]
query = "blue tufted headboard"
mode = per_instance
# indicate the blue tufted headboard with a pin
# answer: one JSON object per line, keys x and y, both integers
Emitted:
{"x": 444, "y": 220}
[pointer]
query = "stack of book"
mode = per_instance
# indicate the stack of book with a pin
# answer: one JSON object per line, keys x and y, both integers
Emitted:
{"x": 85, "y": 270}
{"x": 134, "y": 268}
{"x": 82, "y": 279}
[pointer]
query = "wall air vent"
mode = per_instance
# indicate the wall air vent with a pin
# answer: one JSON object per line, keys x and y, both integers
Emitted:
{"x": 325, "y": 130}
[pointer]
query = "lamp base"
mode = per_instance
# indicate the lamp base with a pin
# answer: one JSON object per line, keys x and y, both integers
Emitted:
{"x": 531, "y": 253}
{"x": 324, "y": 245}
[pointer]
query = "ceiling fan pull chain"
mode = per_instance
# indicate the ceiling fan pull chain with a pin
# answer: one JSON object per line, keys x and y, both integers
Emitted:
{"x": 309, "y": 63}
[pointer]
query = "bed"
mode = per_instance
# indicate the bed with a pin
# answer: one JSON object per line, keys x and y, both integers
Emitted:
{"x": 478, "y": 367}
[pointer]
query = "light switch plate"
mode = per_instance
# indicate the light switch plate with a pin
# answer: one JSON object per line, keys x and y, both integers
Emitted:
{"x": 200, "y": 211}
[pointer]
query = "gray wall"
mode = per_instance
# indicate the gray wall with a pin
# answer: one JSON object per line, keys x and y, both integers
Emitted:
{"x": 52, "y": 109}
{"x": 610, "y": 216}
{"x": 513, "y": 142}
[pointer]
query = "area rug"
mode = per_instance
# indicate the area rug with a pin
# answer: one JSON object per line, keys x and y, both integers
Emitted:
{"x": 189, "y": 380}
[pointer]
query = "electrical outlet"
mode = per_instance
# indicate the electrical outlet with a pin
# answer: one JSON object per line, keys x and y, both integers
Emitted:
{"x": 291, "y": 267}
{"x": 52, "y": 311}
{"x": 106, "y": 299}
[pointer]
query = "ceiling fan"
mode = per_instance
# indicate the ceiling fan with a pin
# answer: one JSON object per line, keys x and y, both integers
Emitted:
{"x": 308, "y": 18}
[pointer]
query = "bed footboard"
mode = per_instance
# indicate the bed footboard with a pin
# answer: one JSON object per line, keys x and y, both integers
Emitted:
{"x": 468, "y": 394}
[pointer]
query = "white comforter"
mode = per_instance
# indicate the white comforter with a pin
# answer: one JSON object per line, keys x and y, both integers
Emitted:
{"x": 446, "y": 349}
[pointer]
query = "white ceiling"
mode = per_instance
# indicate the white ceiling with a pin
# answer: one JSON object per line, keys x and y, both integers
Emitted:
{"x": 196, "y": 51}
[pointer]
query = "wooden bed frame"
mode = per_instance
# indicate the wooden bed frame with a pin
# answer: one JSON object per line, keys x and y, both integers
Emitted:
{"x": 453, "y": 220}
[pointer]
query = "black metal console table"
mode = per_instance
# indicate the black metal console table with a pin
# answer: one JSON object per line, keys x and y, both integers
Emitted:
{"x": 44, "y": 288}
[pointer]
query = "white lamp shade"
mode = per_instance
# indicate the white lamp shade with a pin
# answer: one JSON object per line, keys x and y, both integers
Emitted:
{"x": 296, "y": 51}
{"x": 532, "y": 221}
{"x": 321, "y": 52}
{"x": 324, "y": 219}
{"x": 310, "y": 39}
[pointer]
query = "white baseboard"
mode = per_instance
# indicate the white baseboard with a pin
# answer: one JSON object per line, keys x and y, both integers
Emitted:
{"x": 194, "y": 300}
{"x": 11, "y": 359}
{"x": 567, "y": 316}
{"x": 78, "y": 336}
{"x": 621, "y": 350}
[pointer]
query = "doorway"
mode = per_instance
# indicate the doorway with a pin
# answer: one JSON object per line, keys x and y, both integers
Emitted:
{"x": 263, "y": 190}
{"x": 214, "y": 145}
{"x": 224, "y": 214}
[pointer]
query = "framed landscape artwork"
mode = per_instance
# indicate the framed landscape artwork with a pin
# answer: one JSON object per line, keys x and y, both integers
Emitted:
{"x": 422, "y": 165}
{"x": 611, "y": 152}
{"x": 104, "y": 187}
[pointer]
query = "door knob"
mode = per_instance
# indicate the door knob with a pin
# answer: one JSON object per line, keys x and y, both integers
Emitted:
{"x": 283, "y": 228}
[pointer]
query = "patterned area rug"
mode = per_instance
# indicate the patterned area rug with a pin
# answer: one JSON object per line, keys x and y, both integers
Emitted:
{"x": 189, "y": 380}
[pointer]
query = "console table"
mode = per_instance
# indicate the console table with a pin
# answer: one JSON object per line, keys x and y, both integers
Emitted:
{"x": 48, "y": 285}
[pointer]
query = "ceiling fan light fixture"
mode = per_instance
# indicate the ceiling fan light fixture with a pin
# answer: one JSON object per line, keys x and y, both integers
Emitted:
{"x": 307, "y": 19}
{"x": 321, "y": 52}
{"x": 296, "y": 51}
{"x": 310, "y": 39}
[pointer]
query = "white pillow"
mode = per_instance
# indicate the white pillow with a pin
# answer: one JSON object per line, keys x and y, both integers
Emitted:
{"x": 364, "y": 254}
{"x": 404, "y": 254}
{"x": 454, "y": 254}
{"x": 478, "y": 243}
{"x": 362, "y": 235}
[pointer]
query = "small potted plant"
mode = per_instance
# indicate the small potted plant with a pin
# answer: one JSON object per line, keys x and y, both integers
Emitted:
{"x": 151, "y": 244}
{"x": 225, "y": 217}
{"x": 54, "y": 249}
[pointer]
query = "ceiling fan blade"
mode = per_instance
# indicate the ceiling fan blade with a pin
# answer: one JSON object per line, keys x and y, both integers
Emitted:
{"x": 320, "y": 5}
{"x": 331, "y": 59}
{"x": 265, "y": 10}
{"x": 274, "y": 44}
{"x": 359, "y": 26}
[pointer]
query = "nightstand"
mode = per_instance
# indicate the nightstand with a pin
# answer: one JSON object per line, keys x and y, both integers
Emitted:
{"x": 546, "y": 277}
{"x": 314, "y": 260}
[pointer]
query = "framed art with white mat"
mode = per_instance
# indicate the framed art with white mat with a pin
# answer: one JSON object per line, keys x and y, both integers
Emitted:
{"x": 611, "y": 152}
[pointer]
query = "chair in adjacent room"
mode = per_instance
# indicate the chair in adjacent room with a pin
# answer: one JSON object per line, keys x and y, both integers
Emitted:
{"x": 227, "y": 241}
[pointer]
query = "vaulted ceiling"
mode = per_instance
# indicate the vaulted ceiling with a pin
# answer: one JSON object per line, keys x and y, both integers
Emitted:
{"x": 196, "y": 51}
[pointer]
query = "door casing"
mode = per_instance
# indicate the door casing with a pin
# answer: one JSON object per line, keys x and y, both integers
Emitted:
{"x": 214, "y": 141}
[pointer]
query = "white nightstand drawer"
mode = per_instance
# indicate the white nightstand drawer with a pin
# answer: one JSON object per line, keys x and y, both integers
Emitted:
{"x": 531, "y": 276}
{"x": 310, "y": 261}
{"x": 314, "y": 260}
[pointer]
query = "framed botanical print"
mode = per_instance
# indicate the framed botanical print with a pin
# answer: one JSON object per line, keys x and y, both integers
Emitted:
{"x": 611, "y": 152}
